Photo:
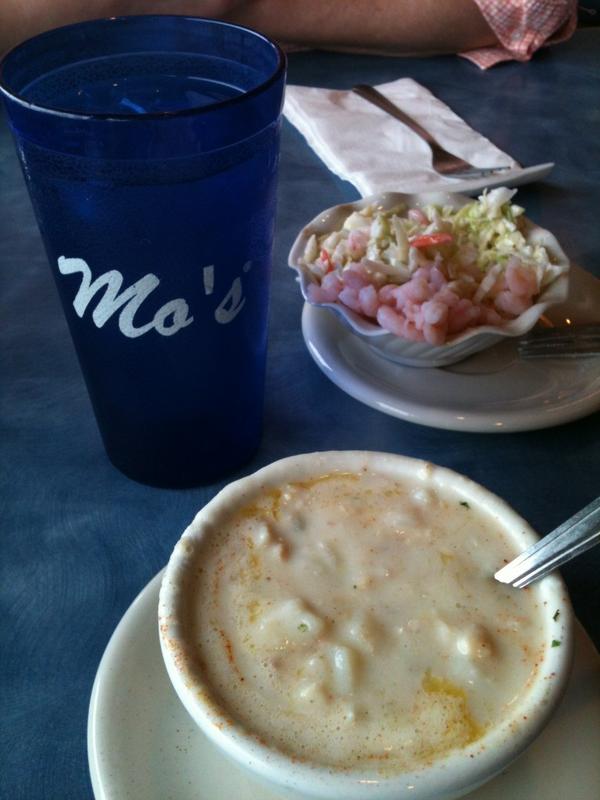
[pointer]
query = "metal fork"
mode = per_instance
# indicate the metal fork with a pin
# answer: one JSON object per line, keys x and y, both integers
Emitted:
{"x": 443, "y": 162}
{"x": 570, "y": 539}
{"x": 569, "y": 341}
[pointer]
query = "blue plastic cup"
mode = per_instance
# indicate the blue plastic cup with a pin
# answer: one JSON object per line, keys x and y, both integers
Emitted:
{"x": 150, "y": 148}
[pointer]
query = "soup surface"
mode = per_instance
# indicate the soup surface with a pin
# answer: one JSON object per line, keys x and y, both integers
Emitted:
{"x": 352, "y": 619}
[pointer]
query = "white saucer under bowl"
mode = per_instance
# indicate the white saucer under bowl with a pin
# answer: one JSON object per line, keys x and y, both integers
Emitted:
{"x": 143, "y": 746}
{"x": 492, "y": 391}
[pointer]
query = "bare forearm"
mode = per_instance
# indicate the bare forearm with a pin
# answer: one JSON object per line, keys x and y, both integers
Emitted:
{"x": 394, "y": 26}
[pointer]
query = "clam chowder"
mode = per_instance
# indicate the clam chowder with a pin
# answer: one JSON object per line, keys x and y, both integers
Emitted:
{"x": 351, "y": 618}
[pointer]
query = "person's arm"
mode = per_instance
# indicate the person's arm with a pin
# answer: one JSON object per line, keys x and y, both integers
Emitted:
{"x": 398, "y": 27}
{"x": 389, "y": 26}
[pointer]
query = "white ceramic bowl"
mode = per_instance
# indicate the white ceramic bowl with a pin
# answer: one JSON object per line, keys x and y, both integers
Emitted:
{"x": 421, "y": 354}
{"x": 449, "y": 776}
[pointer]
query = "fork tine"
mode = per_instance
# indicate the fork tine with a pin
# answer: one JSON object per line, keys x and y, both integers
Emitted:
{"x": 564, "y": 350}
{"x": 458, "y": 171}
{"x": 591, "y": 329}
{"x": 561, "y": 352}
{"x": 573, "y": 341}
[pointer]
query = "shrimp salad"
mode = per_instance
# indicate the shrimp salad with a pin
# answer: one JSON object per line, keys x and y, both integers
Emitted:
{"x": 429, "y": 273}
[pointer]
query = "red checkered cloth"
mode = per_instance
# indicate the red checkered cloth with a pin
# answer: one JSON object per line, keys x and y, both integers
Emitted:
{"x": 522, "y": 27}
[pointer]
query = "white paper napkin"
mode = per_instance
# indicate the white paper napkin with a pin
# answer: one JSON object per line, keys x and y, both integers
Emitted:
{"x": 377, "y": 153}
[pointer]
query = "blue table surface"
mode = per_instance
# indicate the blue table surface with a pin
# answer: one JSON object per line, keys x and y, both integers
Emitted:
{"x": 79, "y": 540}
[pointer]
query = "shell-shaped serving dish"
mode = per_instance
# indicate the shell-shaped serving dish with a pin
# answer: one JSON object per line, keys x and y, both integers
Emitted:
{"x": 421, "y": 354}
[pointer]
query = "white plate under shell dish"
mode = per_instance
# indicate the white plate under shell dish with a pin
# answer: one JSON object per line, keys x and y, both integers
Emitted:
{"x": 142, "y": 745}
{"x": 493, "y": 391}
{"x": 422, "y": 354}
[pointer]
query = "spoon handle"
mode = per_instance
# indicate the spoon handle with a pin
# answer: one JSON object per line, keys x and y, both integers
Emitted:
{"x": 573, "y": 537}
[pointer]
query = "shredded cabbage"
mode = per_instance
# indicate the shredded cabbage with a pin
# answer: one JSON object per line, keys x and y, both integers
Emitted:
{"x": 486, "y": 234}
